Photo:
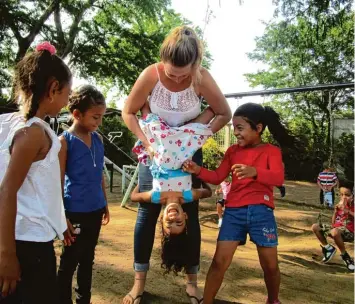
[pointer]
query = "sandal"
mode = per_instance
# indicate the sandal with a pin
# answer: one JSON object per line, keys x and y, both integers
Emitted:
{"x": 136, "y": 298}
{"x": 198, "y": 301}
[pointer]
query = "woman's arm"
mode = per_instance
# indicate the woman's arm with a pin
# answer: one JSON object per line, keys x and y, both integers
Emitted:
{"x": 137, "y": 99}
{"x": 205, "y": 117}
{"x": 215, "y": 99}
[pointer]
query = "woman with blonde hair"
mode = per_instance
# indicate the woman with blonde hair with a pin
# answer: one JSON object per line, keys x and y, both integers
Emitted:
{"x": 174, "y": 89}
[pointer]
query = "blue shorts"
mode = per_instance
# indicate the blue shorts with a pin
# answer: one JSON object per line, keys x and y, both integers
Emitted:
{"x": 256, "y": 220}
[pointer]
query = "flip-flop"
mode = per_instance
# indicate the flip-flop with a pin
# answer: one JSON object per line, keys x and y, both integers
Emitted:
{"x": 136, "y": 298}
{"x": 198, "y": 301}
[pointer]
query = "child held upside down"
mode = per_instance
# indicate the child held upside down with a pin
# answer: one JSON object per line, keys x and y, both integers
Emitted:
{"x": 171, "y": 146}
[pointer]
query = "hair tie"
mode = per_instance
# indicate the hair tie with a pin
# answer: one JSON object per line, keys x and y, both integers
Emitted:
{"x": 46, "y": 46}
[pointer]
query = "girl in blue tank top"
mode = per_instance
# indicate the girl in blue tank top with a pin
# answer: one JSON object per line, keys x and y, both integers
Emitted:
{"x": 85, "y": 203}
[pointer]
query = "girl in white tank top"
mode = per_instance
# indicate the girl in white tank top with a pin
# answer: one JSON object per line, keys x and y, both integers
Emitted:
{"x": 32, "y": 211}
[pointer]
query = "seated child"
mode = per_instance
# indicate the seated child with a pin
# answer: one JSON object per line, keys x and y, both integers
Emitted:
{"x": 341, "y": 229}
{"x": 224, "y": 188}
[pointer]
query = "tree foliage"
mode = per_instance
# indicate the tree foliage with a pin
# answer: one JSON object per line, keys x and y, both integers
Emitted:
{"x": 212, "y": 154}
{"x": 115, "y": 124}
{"x": 309, "y": 42}
{"x": 108, "y": 41}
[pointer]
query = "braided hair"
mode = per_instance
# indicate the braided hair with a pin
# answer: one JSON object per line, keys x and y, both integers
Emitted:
{"x": 85, "y": 97}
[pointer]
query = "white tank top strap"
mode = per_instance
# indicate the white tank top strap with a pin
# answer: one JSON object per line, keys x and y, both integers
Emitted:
{"x": 156, "y": 68}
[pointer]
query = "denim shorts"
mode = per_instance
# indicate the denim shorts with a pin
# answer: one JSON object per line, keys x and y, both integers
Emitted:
{"x": 256, "y": 220}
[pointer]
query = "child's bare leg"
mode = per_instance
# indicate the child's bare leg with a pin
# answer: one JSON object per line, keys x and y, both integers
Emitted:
{"x": 221, "y": 261}
{"x": 318, "y": 232}
{"x": 269, "y": 264}
{"x": 336, "y": 235}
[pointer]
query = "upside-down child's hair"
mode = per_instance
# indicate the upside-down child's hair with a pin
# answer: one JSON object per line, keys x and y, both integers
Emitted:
{"x": 255, "y": 114}
{"x": 175, "y": 253}
{"x": 85, "y": 97}
{"x": 32, "y": 76}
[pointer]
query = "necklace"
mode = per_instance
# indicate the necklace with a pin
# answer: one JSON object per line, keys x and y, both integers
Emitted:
{"x": 93, "y": 156}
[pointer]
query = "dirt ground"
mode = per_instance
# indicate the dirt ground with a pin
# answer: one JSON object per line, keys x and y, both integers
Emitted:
{"x": 303, "y": 278}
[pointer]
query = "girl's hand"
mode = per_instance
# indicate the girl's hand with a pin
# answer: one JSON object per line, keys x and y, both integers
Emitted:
{"x": 9, "y": 273}
{"x": 106, "y": 217}
{"x": 244, "y": 171}
{"x": 191, "y": 167}
{"x": 68, "y": 234}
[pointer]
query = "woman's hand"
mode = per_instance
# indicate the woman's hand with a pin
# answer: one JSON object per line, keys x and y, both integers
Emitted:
{"x": 150, "y": 151}
{"x": 244, "y": 171}
{"x": 191, "y": 167}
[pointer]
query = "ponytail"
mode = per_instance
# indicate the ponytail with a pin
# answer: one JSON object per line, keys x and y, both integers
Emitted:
{"x": 256, "y": 114}
{"x": 277, "y": 129}
{"x": 34, "y": 72}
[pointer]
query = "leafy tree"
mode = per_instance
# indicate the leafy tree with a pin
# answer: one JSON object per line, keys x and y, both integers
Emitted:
{"x": 309, "y": 42}
{"x": 108, "y": 41}
{"x": 344, "y": 156}
{"x": 115, "y": 124}
{"x": 212, "y": 154}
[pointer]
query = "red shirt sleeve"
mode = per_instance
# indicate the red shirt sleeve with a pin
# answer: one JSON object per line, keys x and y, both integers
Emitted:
{"x": 274, "y": 175}
{"x": 220, "y": 174}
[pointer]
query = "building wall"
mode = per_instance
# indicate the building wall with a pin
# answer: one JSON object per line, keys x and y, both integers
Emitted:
{"x": 342, "y": 125}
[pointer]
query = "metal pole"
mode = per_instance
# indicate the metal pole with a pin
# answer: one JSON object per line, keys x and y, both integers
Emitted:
{"x": 330, "y": 161}
{"x": 320, "y": 87}
{"x": 129, "y": 189}
{"x": 123, "y": 178}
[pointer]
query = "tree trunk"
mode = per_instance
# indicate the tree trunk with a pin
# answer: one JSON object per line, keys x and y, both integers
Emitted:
{"x": 25, "y": 42}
